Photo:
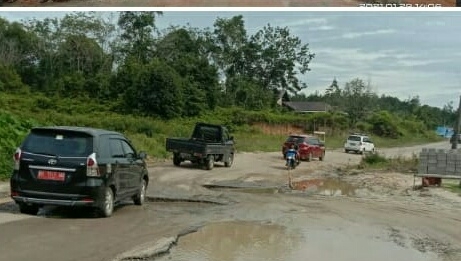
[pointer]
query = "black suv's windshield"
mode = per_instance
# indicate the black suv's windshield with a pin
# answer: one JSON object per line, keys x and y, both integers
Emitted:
{"x": 54, "y": 143}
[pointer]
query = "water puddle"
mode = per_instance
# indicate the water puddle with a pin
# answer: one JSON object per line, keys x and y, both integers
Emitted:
{"x": 242, "y": 241}
{"x": 235, "y": 241}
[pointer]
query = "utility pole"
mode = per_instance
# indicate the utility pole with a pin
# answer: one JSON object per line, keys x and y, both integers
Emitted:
{"x": 457, "y": 127}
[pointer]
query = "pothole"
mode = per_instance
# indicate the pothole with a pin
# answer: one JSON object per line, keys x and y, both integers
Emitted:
{"x": 246, "y": 240}
{"x": 235, "y": 240}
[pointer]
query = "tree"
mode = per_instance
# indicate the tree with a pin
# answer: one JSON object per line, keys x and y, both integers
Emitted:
{"x": 229, "y": 40}
{"x": 280, "y": 59}
{"x": 333, "y": 94}
{"x": 16, "y": 50}
{"x": 449, "y": 114}
{"x": 137, "y": 39}
{"x": 79, "y": 43}
{"x": 153, "y": 89}
{"x": 357, "y": 97}
{"x": 181, "y": 49}
{"x": 270, "y": 60}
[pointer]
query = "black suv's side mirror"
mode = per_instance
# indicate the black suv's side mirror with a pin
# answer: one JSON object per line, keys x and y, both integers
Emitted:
{"x": 142, "y": 155}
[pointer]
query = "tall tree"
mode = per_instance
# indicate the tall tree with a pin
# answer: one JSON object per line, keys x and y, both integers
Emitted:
{"x": 333, "y": 94}
{"x": 181, "y": 49}
{"x": 281, "y": 59}
{"x": 152, "y": 89}
{"x": 137, "y": 37}
{"x": 357, "y": 97}
{"x": 229, "y": 40}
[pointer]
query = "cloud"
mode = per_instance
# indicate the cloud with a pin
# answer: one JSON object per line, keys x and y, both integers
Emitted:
{"x": 322, "y": 28}
{"x": 354, "y": 35}
{"x": 436, "y": 23}
{"x": 309, "y": 24}
{"x": 355, "y": 55}
{"x": 415, "y": 62}
{"x": 302, "y": 22}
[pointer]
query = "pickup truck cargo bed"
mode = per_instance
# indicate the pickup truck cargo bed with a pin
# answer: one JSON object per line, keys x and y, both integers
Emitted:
{"x": 208, "y": 144}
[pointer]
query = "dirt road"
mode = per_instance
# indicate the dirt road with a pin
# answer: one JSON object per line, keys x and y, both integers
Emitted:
{"x": 367, "y": 216}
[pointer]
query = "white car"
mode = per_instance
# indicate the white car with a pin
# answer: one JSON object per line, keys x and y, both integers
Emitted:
{"x": 359, "y": 143}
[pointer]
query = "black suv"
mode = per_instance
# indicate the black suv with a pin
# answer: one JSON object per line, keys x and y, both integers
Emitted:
{"x": 77, "y": 166}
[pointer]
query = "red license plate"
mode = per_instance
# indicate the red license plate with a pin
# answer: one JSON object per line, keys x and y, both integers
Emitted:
{"x": 51, "y": 175}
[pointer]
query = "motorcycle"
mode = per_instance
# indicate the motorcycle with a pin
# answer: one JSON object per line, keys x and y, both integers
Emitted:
{"x": 291, "y": 162}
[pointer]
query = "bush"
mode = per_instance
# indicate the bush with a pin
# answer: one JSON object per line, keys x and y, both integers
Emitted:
{"x": 374, "y": 159}
{"x": 398, "y": 164}
{"x": 384, "y": 124}
{"x": 12, "y": 130}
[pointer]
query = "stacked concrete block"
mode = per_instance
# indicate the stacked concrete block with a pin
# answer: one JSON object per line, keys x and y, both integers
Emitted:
{"x": 423, "y": 158}
{"x": 441, "y": 162}
{"x": 451, "y": 163}
{"x": 432, "y": 161}
{"x": 458, "y": 164}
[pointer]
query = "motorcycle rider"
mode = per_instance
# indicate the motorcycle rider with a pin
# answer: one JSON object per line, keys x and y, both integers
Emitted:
{"x": 292, "y": 151}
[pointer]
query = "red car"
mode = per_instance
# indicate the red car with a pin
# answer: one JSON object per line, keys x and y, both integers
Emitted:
{"x": 309, "y": 146}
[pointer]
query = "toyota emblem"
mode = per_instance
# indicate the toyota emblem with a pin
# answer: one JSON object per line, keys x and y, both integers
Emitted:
{"x": 52, "y": 161}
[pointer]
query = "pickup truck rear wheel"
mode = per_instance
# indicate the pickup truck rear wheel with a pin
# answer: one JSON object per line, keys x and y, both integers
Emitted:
{"x": 209, "y": 163}
{"x": 176, "y": 159}
{"x": 230, "y": 160}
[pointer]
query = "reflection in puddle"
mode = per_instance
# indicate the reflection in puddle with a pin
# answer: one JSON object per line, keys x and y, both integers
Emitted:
{"x": 327, "y": 187}
{"x": 235, "y": 241}
{"x": 323, "y": 245}
{"x": 242, "y": 241}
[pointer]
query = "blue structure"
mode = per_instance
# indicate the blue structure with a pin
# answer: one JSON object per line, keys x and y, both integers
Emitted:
{"x": 445, "y": 132}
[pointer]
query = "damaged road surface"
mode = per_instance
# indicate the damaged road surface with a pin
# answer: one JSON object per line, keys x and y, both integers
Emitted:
{"x": 247, "y": 212}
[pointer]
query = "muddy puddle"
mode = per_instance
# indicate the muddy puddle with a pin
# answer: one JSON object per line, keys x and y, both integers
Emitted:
{"x": 242, "y": 241}
{"x": 326, "y": 187}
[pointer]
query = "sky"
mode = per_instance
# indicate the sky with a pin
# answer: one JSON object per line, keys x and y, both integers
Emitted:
{"x": 401, "y": 54}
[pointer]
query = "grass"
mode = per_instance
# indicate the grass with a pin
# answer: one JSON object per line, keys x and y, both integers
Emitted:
{"x": 400, "y": 164}
{"x": 20, "y": 112}
{"x": 452, "y": 186}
